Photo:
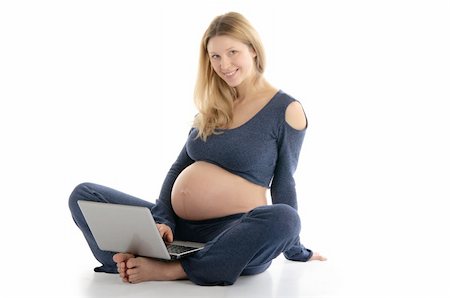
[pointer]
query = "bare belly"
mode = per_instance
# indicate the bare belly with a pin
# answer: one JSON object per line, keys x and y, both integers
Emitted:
{"x": 205, "y": 191}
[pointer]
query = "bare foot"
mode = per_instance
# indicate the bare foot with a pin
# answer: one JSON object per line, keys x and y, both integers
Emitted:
{"x": 146, "y": 269}
{"x": 317, "y": 257}
{"x": 121, "y": 261}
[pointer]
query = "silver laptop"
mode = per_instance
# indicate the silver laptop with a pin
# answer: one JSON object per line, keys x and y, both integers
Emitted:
{"x": 124, "y": 228}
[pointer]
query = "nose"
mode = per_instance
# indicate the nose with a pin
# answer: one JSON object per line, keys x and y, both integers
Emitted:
{"x": 225, "y": 63}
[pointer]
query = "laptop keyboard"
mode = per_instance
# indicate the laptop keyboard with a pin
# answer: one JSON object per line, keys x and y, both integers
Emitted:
{"x": 178, "y": 249}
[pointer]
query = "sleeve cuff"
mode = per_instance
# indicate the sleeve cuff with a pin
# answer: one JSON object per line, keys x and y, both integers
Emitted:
{"x": 298, "y": 253}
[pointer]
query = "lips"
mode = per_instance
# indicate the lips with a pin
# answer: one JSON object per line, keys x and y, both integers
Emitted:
{"x": 230, "y": 73}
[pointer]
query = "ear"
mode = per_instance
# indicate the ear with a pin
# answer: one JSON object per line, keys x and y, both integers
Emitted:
{"x": 252, "y": 52}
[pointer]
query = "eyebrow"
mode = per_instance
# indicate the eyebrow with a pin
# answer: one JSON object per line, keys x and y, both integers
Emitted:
{"x": 225, "y": 50}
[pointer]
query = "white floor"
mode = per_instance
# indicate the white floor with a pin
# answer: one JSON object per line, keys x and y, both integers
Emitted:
{"x": 284, "y": 279}
{"x": 395, "y": 262}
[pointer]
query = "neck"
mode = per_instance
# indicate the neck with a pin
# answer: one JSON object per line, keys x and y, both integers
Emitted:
{"x": 248, "y": 90}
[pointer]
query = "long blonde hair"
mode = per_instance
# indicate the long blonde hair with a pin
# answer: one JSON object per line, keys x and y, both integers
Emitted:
{"x": 212, "y": 96}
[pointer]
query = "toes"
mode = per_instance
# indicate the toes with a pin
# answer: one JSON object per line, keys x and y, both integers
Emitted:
{"x": 122, "y": 257}
{"x": 134, "y": 279}
{"x": 121, "y": 267}
{"x": 119, "y": 257}
{"x": 122, "y": 274}
{"x": 131, "y": 263}
{"x": 132, "y": 272}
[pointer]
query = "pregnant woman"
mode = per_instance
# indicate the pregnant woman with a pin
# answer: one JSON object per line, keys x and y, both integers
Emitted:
{"x": 244, "y": 141}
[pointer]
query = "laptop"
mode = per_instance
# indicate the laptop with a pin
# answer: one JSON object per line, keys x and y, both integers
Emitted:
{"x": 132, "y": 229}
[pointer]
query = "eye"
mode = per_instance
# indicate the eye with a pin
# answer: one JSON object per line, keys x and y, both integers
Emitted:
{"x": 233, "y": 52}
{"x": 215, "y": 57}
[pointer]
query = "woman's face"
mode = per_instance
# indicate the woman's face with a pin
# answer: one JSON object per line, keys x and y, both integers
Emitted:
{"x": 231, "y": 59}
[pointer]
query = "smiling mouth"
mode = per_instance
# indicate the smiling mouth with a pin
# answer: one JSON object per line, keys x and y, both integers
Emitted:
{"x": 231, "y": 73}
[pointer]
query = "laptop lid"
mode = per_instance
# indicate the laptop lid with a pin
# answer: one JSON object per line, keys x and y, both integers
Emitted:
{"x": 124, "y": 228}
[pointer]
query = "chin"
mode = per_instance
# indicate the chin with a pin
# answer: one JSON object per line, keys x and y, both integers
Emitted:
{"x": 232, "y": 84}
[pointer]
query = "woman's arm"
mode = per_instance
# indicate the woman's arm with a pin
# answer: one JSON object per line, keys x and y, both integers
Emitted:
{"x": 283, "y": 191}
{"x": 290, "y": 139}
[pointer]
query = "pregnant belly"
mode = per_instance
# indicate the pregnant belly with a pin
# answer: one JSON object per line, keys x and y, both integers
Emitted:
{"x": 205, "y": 191}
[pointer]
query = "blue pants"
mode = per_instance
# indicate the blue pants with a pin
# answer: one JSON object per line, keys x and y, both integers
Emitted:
{"x": 239, "y": 244}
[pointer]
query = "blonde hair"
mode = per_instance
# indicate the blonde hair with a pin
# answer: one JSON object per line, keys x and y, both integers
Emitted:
{"x": 212, "y": 96}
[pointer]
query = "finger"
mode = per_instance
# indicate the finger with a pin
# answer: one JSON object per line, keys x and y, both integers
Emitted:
{"x": 161, "y": 230}
{"x": 165, "y": 233}
{"x": 169, "y": 236}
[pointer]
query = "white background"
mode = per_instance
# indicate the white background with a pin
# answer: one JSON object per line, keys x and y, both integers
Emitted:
{"x": 101, "y": 91}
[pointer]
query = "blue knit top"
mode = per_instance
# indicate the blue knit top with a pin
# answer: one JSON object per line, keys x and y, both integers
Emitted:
{"x": 264, "y": 150}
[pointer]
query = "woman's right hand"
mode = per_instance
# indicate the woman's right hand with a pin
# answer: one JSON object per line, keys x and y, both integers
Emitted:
{"x": 166, "y": 232}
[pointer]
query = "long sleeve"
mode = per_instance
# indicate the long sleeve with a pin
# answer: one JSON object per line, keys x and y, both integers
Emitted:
{"x": 163, "y": 212}
{"x": 283, "y": 184}
{"x": 283, "y": 189}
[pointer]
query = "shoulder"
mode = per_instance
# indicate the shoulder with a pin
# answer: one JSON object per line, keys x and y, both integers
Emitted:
{"x": 294, "y": 114}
